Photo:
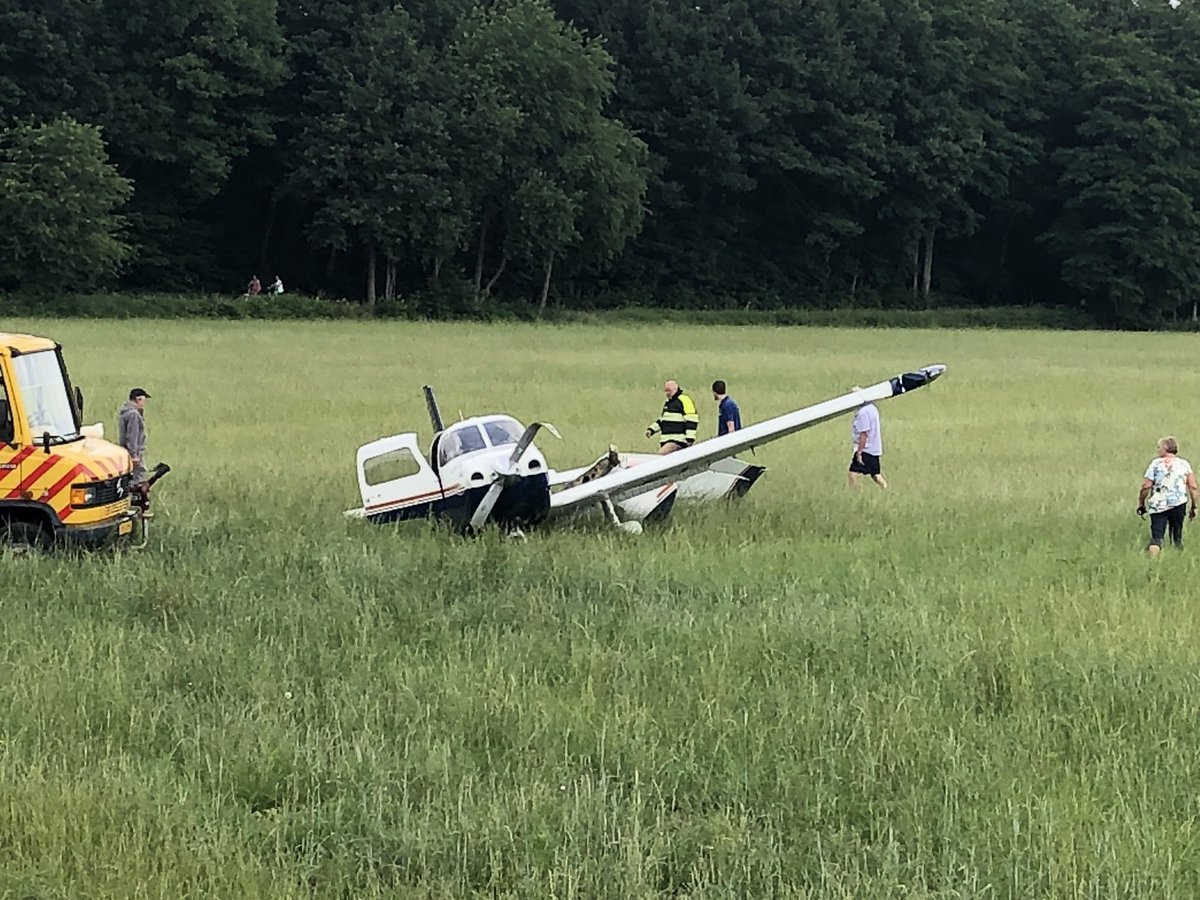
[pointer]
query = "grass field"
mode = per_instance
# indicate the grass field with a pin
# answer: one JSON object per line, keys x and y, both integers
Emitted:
{"x": 972, "y": 685}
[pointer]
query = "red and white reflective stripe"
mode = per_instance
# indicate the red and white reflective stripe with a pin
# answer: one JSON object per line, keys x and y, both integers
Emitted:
{"x": 415, "y": 499}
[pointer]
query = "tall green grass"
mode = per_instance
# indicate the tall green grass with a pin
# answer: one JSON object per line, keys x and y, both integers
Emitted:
{"x": 972, "y": 685}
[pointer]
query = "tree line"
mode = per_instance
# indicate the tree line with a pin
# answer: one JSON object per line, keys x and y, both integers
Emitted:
{"x": 773, "y": 153}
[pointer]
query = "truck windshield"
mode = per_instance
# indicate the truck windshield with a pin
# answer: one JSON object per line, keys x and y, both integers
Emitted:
{"x": 43, "y": 390}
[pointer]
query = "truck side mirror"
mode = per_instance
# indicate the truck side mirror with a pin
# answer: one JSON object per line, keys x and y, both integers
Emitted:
{"x": 79, "y": 401}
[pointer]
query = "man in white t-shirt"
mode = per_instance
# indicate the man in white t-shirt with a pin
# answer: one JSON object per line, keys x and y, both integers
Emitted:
{"x": 867, "y": 439}
{"x": 1166, "y": 487}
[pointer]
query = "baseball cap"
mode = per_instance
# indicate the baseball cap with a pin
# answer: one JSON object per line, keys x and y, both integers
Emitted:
{"x": 137, "y": 392}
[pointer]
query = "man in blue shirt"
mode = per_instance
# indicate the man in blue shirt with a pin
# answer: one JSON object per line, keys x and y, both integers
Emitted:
{"x": 729, "y": 417}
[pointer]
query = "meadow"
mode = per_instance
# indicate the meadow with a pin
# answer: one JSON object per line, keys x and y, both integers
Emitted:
{"x": 973, "y": 684}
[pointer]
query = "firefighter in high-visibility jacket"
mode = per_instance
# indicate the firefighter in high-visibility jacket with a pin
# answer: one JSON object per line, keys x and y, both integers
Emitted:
{"x": 677, "y": 425}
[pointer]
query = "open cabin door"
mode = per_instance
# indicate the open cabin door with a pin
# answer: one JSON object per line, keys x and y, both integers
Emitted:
{"x": 394, "y": 476}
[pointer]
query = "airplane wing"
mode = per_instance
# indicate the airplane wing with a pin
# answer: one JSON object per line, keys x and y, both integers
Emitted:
{"x": 623, "y": 483}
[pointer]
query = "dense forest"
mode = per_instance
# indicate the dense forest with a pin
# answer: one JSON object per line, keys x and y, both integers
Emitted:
{"x": 763, "y": 153}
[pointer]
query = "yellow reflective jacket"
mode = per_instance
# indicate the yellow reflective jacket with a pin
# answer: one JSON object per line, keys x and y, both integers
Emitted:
{"x": 678, "y": 421}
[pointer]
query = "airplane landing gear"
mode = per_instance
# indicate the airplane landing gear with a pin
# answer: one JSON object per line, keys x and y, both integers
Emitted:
{"x": 627, "y": 527}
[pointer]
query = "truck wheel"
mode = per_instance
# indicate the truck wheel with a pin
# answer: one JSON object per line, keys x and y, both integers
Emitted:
{"x": 20, "y": 538}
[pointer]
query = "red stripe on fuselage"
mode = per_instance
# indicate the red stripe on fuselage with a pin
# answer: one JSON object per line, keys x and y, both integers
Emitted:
{"x": 415, "y": 498}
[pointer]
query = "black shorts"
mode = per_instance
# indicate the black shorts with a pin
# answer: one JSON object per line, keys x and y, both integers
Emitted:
{"x": 1171, "y": 520}
{"x": 868, "y": 466}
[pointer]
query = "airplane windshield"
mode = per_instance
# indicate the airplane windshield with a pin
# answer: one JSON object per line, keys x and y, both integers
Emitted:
{"x": 44, "y": 395}
{"x": 502, "y": 432}
{"x": 467, "y": 439}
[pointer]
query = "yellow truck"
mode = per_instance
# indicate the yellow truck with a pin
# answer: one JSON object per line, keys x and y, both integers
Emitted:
{"x": 57, "y": 485}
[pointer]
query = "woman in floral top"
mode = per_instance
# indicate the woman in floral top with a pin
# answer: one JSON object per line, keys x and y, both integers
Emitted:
{"x": 1168, "y": 483}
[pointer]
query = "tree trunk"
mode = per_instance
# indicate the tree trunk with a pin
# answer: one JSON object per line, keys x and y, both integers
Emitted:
{"x": 916, "y": 267}
{"x": 994, "y": 291}
{"x": 435, "y": 277}
{"x": 853, "y": 288}
{"x": 546, "y": 283}
{"x": 268, "y": 228}
{"x": 389, "y": 279}
{"x": 1194, "y": 302}
{"x": 329, "y": 266}
{"x": 371, "y": 274}
{"x": 487, "y": 288}
{"x": 927, "y": 275}
{"x": 480, "y": 252}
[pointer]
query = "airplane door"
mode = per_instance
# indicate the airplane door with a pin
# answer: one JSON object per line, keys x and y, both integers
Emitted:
{"x": 393, "y": 473}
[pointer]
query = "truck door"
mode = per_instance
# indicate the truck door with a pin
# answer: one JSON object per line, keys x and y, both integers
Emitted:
{"x": 393, "y": 476}
{"x": 10, "y": 456}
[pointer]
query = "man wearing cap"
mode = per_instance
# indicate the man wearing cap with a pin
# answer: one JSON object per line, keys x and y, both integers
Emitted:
{"x": 131, "y": 432}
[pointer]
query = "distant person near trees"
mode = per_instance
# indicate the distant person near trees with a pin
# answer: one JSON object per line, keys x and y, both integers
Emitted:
{"x": 276, "y": 286}
{"x": 866, "y": 437}
{"x": 1168, "y": 483}
{"x": 254, "y": 288}
{"x": 678, "y": 423}
{"x": 729, "y": 417}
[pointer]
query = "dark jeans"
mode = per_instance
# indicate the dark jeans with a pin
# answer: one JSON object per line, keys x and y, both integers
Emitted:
{"x": 1173, "y": 519}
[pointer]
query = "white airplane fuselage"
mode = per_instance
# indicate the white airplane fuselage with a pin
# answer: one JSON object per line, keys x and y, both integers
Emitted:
{"x": 398, "y": 482}
{"x": 487, "y": 468}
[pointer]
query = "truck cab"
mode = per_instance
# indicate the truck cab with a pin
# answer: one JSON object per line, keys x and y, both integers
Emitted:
{"x": 56, "y": 484}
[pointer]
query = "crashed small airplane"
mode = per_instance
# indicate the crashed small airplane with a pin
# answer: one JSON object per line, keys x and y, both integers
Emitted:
{"x": 487, "y": 469}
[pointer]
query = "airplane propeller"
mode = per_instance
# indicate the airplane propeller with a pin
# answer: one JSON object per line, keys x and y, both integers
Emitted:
{"x": 507, "y": 473}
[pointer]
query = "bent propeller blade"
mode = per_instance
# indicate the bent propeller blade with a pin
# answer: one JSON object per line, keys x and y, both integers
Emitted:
{"x": 527, "y": 439}
{"x": 484, "y": 509}
{"x": 435, "y": 414}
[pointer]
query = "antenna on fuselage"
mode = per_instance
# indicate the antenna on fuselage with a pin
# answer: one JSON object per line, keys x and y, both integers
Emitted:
{"x": 435, "y": 414}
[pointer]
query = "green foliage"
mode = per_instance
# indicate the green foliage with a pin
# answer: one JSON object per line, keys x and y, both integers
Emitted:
{"x": 562, "y": 170}
{"x": 414, "y": 148}
{"x": 457, "y": 300}
{"x": 1129, "y": 238}
{"x": 60, "y": 225}
{"x": 894, "y": 151}
{"x": 374, "y": 122}
{"x": 178, "y": 88}
{"x": 173, "y": 306}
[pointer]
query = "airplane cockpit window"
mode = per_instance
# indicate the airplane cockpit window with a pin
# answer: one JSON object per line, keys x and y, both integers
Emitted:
{"x": 463, "y": 440}
{"x": 502, "y": 432}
